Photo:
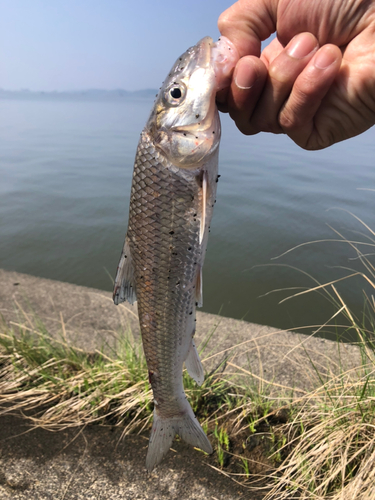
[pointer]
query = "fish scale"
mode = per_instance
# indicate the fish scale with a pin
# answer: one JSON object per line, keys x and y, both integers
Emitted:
{"x": 165, "y": 283}
{"x": 171, "y": 205}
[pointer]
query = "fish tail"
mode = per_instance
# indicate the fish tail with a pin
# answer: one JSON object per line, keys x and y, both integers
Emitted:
{"x": 164, "y": 430}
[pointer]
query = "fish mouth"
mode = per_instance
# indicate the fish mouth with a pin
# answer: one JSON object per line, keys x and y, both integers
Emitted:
{"x": 199, "y": 112}
{"x": 204, "y": 48}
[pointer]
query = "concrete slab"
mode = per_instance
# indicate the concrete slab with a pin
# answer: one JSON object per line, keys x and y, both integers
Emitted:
{"x": 91, "y": 321}
{"x": 92, "y": 463}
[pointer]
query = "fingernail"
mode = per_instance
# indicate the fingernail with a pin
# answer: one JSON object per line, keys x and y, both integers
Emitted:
{"x": 324, "y": 58}
{"x": 245, "y": 75}
{"x": 302, "y": 45}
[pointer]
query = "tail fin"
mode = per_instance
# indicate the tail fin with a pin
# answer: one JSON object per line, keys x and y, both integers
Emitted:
{"x": 164, "y": 430}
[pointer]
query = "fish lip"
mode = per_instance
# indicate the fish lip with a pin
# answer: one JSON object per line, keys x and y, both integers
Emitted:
{"x": 204, "y": 47}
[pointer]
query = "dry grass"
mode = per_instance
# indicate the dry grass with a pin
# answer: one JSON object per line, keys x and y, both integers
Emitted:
{"x": 68, "y": 386}
{"x": 319, "y": 446}
{"x": 331, "y": 432}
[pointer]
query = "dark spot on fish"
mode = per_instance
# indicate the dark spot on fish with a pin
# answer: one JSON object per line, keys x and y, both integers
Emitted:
{"x": 189, "y": 248}
{"x": 126, "y": 256}
{"x": 194, "y": 215}
{"x": 178, "y": 282}
{"x": 213, "y": 131}
{"x": 184, "y": 134}
{"x": 192, "y": 198}
{"x": 196, "y": 137}
{"x": 196, "y": 303}
{"x": 174, "y": 253}
{"x": 171, "y": 232}
{"x": 190, "y": 313}
{"x": 197, "y": 116}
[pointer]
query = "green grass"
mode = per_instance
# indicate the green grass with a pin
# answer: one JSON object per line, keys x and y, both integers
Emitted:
{"x": 320, "y": 445}
{"x": 57, "y": 385}
{"x": 315, "y": 446}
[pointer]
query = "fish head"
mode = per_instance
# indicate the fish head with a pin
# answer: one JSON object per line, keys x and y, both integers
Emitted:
{"x": 184, "y": 122}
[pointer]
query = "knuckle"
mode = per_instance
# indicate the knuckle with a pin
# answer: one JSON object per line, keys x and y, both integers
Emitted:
{"x": 246, "y": 127}
{"x": 289, "y": 120}
{"x": 276, "y": 74}
{"x": 224, "y": 23}
{"x": 267, "y": 124}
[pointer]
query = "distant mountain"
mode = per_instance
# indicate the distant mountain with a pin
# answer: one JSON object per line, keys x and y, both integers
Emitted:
{"x": 80, "y": 95}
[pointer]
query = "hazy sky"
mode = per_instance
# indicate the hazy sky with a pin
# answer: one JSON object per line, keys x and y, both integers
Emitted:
{"x": 107, "y": 44}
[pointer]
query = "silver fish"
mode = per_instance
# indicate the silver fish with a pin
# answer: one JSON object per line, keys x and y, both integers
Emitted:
{"x": 172, "y": 198}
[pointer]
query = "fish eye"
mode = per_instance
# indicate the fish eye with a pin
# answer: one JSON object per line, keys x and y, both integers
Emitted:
{"x": 175, "y": 94}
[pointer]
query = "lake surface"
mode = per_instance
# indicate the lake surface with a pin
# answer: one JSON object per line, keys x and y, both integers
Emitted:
{"x": 65, "y": 173}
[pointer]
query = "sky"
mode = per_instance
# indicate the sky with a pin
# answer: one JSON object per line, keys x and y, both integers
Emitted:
{"x": 70, "y": 45}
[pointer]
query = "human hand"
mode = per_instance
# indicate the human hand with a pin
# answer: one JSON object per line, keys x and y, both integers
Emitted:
{"x": 315, "y": 82}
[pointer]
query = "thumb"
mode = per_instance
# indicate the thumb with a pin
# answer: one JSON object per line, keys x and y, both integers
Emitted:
{"x": 247, "y": 22}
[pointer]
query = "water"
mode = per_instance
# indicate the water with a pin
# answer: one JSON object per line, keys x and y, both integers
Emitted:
{"x": 65, "y": 170}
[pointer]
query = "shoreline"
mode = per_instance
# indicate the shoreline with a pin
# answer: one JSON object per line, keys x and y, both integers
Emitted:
{"x": 89, "y": 320}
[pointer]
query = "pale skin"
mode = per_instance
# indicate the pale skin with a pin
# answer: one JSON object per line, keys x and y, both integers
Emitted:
{"x": 315, "y": 82}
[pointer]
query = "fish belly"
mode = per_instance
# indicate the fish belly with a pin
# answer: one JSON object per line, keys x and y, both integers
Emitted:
{"x": 163, "y": 238}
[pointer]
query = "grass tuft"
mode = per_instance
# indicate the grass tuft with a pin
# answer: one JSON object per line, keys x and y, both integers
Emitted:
{"x": 292, "y": 444}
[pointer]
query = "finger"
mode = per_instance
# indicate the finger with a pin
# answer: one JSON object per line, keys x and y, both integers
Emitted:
{"x": 249, "y": 78}
{"x": 222, "y": 100}
{"x": 282, "y": 73}
{"x": 271, "y": 51}
{"x": 246, "y": 23}
{"x": 247, "y": 71}
{"x": 296, "y": 118}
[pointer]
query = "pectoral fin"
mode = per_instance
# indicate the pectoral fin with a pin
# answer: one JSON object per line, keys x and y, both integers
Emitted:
{"x": 204, "y": 207}
{"x": 199, "y": 288}
{"x": 193, "y": 364}
{"x": 124, "y": 288}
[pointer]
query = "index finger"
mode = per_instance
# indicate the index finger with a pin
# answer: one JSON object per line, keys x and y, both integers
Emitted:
{"x": 247, "y": 23}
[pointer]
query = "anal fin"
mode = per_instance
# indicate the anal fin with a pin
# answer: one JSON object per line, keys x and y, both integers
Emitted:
{"x": 124, "y": 288}
{"x": 193, "y": 364}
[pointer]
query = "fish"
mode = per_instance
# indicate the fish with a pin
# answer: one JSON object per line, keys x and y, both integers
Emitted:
{"x": 171, "y": 204}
